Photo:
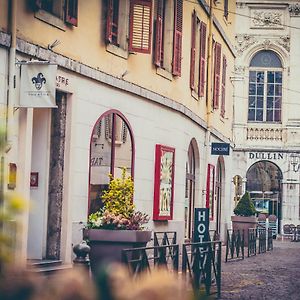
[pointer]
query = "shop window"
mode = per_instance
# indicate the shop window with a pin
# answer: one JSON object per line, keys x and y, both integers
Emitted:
{"x": 168, "y": 35}
{"x": 265, "y": 88}
{"x": 111, "y": 149}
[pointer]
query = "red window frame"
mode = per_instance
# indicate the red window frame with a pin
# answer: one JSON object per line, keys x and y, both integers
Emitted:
{"x": 217, "y": 71}
{"x": 160, "y": 150}
{"x": 177, "y": 41}
{"x": 223, "y": 94}
{"x": 159, "y": 34}
{"x": 202, "y": 73}
{"x": 193, "y": 51}
{"x": 141, "y": 49}
{"x": 71, "y": 12}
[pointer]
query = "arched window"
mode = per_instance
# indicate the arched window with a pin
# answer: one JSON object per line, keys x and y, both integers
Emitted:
{"x": 111, "y": 149}
{"x": 265, "y": 87}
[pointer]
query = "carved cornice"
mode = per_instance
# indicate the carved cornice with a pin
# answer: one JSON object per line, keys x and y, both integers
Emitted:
{"x": 265, "y": 19}
{"x": 294, "y": 10}
{"x": 243, "y": 42}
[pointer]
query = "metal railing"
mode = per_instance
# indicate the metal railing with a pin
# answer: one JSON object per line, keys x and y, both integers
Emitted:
{"x": 262, "y": 240}
{"x": 202, "y": 263}
{"x": 235, "y": 245}
{"x": 251, "y": 242}
{"x": 145, "y": 258}
{"x": 270, "y": 239}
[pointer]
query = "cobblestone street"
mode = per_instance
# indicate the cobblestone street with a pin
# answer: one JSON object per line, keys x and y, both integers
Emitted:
{"x": 272, "y": 275}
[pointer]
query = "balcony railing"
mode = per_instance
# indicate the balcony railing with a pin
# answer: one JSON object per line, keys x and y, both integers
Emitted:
{"x": 271, "y": 134}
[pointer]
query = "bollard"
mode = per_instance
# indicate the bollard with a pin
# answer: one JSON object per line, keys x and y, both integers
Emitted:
{"x": 81, "y": 251}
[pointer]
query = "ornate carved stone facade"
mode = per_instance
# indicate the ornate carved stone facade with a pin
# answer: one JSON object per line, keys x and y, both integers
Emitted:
{"x": 294, "y": 10}
{"x": 243, "y": 42}
{"x": 267, "y": 19}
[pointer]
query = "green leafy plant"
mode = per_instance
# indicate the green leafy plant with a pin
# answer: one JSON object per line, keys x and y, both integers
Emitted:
{"x": 245, "y": 206}
{"x": 118, "y": 211}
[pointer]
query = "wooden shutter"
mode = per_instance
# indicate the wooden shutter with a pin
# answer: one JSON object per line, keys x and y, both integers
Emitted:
{"x": 193, "y": 50}
{"x": 158, "y": 50}
{"x": 177, "y": 42}
{"x": 224, "y": 65}
{"x": 202, "y": 59}
{"x": 71, "y": 12}
{"x": 217, "y": 70}
{"x": 140, "y": 25}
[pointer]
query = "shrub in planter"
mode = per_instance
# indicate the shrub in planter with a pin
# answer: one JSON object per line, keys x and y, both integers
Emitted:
{"x": 245, "y": 206}
{"x": 244, "y": 216}
{"x": 117, "y": 225}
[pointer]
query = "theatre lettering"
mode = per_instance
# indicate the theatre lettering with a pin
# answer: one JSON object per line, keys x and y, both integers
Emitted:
{"x": 266, "y": 155}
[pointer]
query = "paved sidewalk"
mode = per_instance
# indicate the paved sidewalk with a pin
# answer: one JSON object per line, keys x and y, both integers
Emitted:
{"x": 272, "y": 275}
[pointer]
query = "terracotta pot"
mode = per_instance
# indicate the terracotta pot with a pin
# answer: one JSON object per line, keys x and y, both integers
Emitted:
{"x": 107, "y": 245}
{"x": 243, "y": 223}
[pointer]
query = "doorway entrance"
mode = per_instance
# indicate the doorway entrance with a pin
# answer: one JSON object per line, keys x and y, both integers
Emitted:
{"x": 264, "y": 185}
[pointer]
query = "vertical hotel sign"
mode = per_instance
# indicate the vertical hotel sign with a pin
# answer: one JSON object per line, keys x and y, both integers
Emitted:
{"x": 38, "y": 83}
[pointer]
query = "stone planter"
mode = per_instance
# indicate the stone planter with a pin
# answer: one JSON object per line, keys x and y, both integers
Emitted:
{"x": 243, "y": 223}
{"x": 107, "y": 245}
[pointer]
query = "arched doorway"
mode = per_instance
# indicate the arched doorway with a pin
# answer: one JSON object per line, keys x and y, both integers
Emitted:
{"x": 111, "y": 149}
{"x": 264, "y": 185}
{"x": 191, "y": 187}
{"x": 219, "y": 191}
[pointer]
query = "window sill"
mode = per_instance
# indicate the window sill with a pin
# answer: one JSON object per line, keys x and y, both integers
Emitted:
{"x": 50, "y": 19}
{"x": 117, "y": 51}
{"x": 163, "y": 73}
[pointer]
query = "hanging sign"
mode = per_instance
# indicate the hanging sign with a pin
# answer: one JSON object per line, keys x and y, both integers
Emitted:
{"x": 220, "y": 148}
{"x": 38, "y": 83}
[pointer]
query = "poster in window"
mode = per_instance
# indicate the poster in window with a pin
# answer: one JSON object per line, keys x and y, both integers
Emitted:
{"x": 163, "y": 183}
{"x": 210, "y": 187}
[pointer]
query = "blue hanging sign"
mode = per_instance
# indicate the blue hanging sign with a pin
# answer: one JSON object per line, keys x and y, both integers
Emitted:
{"x": 220, "y": 148}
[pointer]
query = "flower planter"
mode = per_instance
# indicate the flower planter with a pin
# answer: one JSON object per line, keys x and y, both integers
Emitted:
{"x": 107, "y": 245}
{"x": 243, "y": 223}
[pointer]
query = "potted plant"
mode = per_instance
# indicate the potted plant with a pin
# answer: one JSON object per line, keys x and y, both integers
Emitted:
{"x": 117, "y": 225}
{"x": 244, "y": 216}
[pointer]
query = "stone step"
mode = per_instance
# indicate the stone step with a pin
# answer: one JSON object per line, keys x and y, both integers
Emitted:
{"x": 47, "y": 267}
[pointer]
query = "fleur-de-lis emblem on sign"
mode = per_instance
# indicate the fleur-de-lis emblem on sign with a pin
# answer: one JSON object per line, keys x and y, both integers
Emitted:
{"x": 38, "y": 81}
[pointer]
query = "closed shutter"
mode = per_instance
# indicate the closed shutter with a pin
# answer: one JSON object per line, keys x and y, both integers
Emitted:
{"x": 158, "y": 50}
{"x": 223, "y": 86}
{"x": 217, "y": 70}
{"x": 72, "y": 12}
{"x": 193, "y": 50}
{"x": 140, "y": 25}
{"x": 202, "y": 59}
{"x": 177, "y": 43}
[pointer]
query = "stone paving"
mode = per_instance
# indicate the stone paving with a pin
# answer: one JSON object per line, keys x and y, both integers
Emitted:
{"x": 271, "y": 275}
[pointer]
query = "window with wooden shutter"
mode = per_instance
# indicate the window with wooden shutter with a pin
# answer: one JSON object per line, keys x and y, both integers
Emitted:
{"x": 140, "y": 25}
{"x": 193, "y": 50}
{"x": 112, "y": 20}
{"x": 71, "y": 7}
{"x": 217, "y": 70}
{"x": 177, "y": 43}
{"x": 160, "y": 19}
{"x": 202, "y": 59}
{"x": 224, "y": 65}
{"x": 226, "y": 9}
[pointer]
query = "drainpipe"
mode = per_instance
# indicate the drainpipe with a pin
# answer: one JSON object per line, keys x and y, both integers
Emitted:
{"x": 11, "y": 74}
{"x": 208, "y": 91}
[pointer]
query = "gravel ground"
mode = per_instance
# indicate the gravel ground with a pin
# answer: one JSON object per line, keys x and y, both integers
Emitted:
{"x": 271, "y": 275}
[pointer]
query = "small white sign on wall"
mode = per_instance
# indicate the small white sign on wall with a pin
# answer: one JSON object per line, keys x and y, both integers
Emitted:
{"x": 38, "y": 83}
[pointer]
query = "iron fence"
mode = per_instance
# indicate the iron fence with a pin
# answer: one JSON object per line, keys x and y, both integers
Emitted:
{"x": 262, "y": 239}
{"x": 251, "y": 242}
{"x": 270, "y": 239}
{"x": 202, "y": 263}
{"x": 145, "y": 258}
{"x": 235, "y": 244}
